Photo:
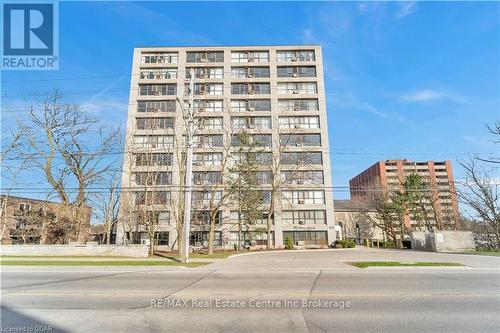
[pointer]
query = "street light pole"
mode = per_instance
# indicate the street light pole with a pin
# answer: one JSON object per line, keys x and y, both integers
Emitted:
{"x": 189, "y": 168}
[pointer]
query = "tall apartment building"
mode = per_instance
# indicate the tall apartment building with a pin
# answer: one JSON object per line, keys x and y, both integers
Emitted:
{"x": 273, "y": 93}
{"x": 390, "y": 175}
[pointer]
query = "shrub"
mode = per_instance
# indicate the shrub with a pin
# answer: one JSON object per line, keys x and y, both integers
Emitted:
{"x": 345, "y": 243}
{"x": 288, "y": 243}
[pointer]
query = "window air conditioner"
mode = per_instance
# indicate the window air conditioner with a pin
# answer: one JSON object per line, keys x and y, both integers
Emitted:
{"x": 156, "y": 109}
{"x": 201, "y": 75}
{"x": 251, "y": 108}
{"x": 302, "y": 222}
{"x": 299, "y": 144}
{"x": 199, "y": 163}
{"x": 298, "y": 126}
{"x": 295, "y": 75}
{"x": 251, "y": 59}
{"x": 157, "y": 93}
{"x": 199, "y": 182}
{"x": 301, "y": 201}
{"x": 296, "y": 108}
{"x": 158, "y": 76}
{"x": 295, "y": 91}
{"x": 250, "y": 75}
{"x": 295, "y": 59}
{"x": 300, "y": 182}
{"x": 159, "y": 59}
{"x": 252, "y": 126}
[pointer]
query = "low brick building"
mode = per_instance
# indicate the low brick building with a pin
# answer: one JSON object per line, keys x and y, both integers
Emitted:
{"x": 33, "y": 221}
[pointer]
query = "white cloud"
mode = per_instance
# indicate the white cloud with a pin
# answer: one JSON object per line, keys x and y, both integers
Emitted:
{"x": 429, "y": 95}
{"x": 406, "y": 8}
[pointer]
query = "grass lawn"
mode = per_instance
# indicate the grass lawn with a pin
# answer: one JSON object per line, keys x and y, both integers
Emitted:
{"x": 99, "y": 263}
{"x": 200, "y": 255}
{"x": 364, "y": 264}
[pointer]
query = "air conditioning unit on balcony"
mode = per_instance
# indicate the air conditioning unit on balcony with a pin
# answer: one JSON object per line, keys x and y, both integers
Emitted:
{"x": 300, "y": 201}
{"x": 298, "y": 126}
{"x": 251, "y": 59}
{"x": 157, "y": 93}
{"x": 252, "y": 126}
{"x": 159, "y": 60}
{"x": 299, "y": 144}
{"x": 295, "y": 91}
{"x": 200, "y": 163}
{"x": 158, "y": 76}
{"x": 295, "y": 75}
{"x": 156, "y": 109}
{"x": 251, "y": 108}
{"x": 296, "y": 108}
{"x": 300, "y": 182}
{"x": 250, "y": 75}
{"x": 302, "y": 222}
{"x": 295, "y": 59}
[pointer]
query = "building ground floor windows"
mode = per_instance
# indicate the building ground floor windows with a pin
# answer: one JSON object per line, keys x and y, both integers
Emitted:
{"x": 307, "y": 238}
{"x": 249, "y": 238}
{"x": 200, "y": 238}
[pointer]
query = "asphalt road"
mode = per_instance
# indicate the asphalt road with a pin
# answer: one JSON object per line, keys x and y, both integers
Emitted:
{"x": 272, "y": 292}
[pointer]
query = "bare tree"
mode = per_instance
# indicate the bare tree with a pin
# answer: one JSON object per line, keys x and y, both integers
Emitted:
{"x": 479, "y": 191}
{"x": 69, "y": 149}
{"x": 107, "y": 204}
{"x": 495, "y": 130}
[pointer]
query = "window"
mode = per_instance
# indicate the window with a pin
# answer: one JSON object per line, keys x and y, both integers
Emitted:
{"x": 299, "y": 140}
{"x": 156, "y": 106}
{"x": 153, "y": 178}
{"x": 297, "y": 88}
{"x": 311, "y": 177}
{"x": 207, "y": 177}
{"x": 161, "y": 238}
{"x": 208, "y": 105}
{"x": 206, "y": 197}
{"x": 262, "y": 140}
{"x": 153, "y": 159}
{"x": 24, "y": 207}
{"x": 206, "y": 73}
{"x": 251, "y": 122}
{"x": 297, "y": 71}
{"x": 208, "y": 141}
{"x": 200, "y": 238}
{"x": 157, "y": 89}
{"x": 250, "y": 88}
{"x": 212, "y": 123}
{"x": 158, "y": 58}
{"x": 152, "y": 198}
{"x": 250, "y": 105}
{"x": 205, "y": 56}
{"x": 304, "y": 197}
{"x": 153, "y": 141}
{"x": 154, "y": 123}
{"x": 158, "y": 73}
{"x": 249, "y": 72}
{"x": 298, "y": 105}
{"x": 248, "y": 238}
{"x": 304, "y": 158}
{"x": 206, "y": 89}
{"x": 250, "y": 56}
{"x": 318, "y": 238}
{"x": 299, "y": 122}
{"x": 302, "y": 55}
{"x": 202, "y": 217}
{"x": 207, "y": 159}
{"x": 304, "y": 216}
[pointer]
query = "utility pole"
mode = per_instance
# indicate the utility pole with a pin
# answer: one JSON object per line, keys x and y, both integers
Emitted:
{"x": 189, "y": 167}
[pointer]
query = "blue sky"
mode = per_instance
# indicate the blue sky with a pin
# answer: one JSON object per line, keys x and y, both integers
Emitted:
{"x": 403, "y": 79}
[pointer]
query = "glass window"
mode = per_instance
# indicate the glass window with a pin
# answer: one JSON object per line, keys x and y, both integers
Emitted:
{"x": 299, "y": 122}
{"x": 306, "y": 140}
{"x": 297, "y": 88}
{"x": 304, "y": 158}
{"x": 298, "y": 105}
{"x": 154, "y": 123}
{"x": 158, "y": 58}
{"x": 250, "y": 56}
{"x": 153, "y": 159}
{"x": 206, "y": 73}
{"x": 157, "y": 89}
{"x": 158, "y": 73}
{"x": 156, "y": 106}
{"x": 153, "y": 141}
{"x": 205, "y": 56}
{"x": 292, "y": 55}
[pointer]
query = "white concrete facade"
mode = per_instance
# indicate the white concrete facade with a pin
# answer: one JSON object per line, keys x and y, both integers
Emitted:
{"x": 287, "y": 80}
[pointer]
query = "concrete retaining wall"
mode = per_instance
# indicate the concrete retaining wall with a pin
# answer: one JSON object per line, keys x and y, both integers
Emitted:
{"x": 442, "y": 241}
{"x": 76, "y": 249}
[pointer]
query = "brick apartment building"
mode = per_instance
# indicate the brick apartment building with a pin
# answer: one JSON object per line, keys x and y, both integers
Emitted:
{"x": 18, "y": 214}
{"x": 390, "y": 175}
{"x": 274, "y": 93}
